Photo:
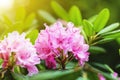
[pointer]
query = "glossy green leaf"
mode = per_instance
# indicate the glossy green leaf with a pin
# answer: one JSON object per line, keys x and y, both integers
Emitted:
{"x": 96, "y": 50}
{"x": 59, "y": 10}
{"x": 88, "y": 28}
{"x": 19, "y": 76}
{"x": 118, "y": 40}
{"x": 29, "y": 20}
{"x": 47, "y": 16}
{"x": 109, "y": 28}
{"x": 33, "y": 35}
{"x": 101, "y": 20}
{"x": 105, "y": 40}
{"x": 50, "y": 75}
{"x": 104, "y": 66}
{"x": 75, "y": 15}
{"x": 113, "y": 34}
{"x": 71, "y": 76}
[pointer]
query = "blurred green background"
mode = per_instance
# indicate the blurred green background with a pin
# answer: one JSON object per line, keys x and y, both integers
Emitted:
{"x": 88, "y": 7}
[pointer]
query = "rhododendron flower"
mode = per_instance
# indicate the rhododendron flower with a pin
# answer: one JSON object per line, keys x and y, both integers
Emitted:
{"x": 21, "y": 50}
{"x": 58, "y": 43}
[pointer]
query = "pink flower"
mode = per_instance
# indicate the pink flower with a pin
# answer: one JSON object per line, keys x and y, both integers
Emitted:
{"x": 58, "y": 40}
{"x": 101, "y": 77}
{"x": 25, "y": 53}
{"x": 115, "y": 75}
{"x": 50, "y": 62}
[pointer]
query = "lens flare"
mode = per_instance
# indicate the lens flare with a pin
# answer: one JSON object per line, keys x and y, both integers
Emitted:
{"x": 6, "y": 4}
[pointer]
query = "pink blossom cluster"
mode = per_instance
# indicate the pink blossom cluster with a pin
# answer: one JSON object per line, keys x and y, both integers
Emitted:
{"x": 24, "y": 52}
{"x": 57, "y": 40}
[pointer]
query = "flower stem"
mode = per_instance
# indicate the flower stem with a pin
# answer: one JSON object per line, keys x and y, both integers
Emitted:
{"x": 63, "y": 66}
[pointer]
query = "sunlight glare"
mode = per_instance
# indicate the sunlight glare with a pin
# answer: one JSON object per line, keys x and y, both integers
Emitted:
{"x": 6, "y": 4}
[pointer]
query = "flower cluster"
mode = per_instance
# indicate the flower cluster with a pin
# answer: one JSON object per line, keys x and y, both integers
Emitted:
{"x": 16, "y": 50}
{"x": 57, "y": 43}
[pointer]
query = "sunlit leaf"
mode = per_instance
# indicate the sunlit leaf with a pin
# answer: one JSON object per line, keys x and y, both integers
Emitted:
{"x": 7, "y": 20}
{"x": 92, "y": 19}
{"x": 29, "y": 20}
{"x": 59, "y": 10}
{"x": 47, "y": 16}
{"x": 88, "y": 28}
{"x": 33, "y": 35}
{"x": 113, "y": 34}
{"x": 101, "y": 20}
{"x": 109, "y": 28}
{"x": 75, "y": 15}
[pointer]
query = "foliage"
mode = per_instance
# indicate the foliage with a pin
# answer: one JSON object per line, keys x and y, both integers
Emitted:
{"x": 20, "y": 22}
{"x": 95, "y": 30}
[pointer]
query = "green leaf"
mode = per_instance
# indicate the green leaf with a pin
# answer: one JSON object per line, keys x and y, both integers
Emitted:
{"x": 33, "y": 35}
{"x": 50, "y": 75}
{"x": 18, "y": 26}
{"x": 20, "y": 14}
{"x": 19, "y": 76}
{"x": 88, "y": 28}
{"x": 104, "y": 66}
{"x": 1, "y": 61}
{"x": 96, "y": 50}
{"x": 75, "y": 15}
{"x": 47, "y": 16}
{"x": 85, "y": 36}
{"x": 81, "y": 78}
{"x": 7, "y": 20}
{"x": 109, "y": 28}
{"x": 59, "y": 10}
{"x": 113, "y": 34}
{"x": 108, "y": 76}
{"x": 101, "y": 20}
{"x": 92, "y": 75}
{"x": 105, "y": 40}
{"x": 29, "y": 20}
{"x": 118, "y": 40}
{"x": 118, "y": 66}
{"x": 92, "y": 19}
